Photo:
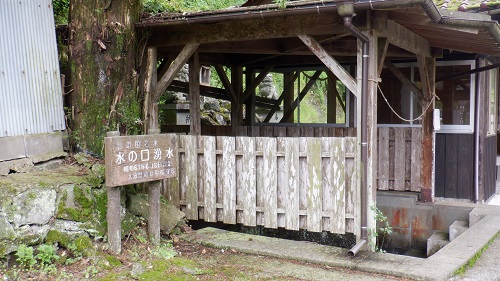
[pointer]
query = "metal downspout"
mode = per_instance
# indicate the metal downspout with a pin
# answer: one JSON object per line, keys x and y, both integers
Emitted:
{"x": 476, "y": 138}
{"x": 364, "y": 139}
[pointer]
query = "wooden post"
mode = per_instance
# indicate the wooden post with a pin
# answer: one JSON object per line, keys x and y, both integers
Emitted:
{"x": 288, "y": 91}
{"x": 154, "y": 187}
{"x": 236, "y": 106}
{"x": 426, "y": 67}
{"x": 113, "y": 213}
{"x": 331, "y": 100}
{"x": 194, "y": 95}
{"x": 150, "y": 105}
{"x": 154, "y": 191}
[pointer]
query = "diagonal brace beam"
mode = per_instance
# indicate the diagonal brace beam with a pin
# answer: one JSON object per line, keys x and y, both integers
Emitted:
{"x": 173, "y": 69}
{"x": 330, "y": 62}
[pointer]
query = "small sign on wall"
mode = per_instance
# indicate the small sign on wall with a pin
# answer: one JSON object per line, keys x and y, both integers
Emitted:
{"x": 143, "y": 158}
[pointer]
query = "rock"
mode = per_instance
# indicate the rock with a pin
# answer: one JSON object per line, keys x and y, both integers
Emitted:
{"x": 66, "y": 232}
{"x": 36, "y": 206}
{"x": 32, "y": 234}
{"x": 137, "y": 270}
{"x": 170, "y": 216}
{"x": 6, "y": 229}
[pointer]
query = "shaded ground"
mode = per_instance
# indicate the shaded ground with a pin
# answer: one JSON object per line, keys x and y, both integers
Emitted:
{"x": 141, "y": 261}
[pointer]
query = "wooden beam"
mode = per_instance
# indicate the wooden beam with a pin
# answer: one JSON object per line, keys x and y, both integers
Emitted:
{"x": 255, "y": 82}
{"x": 194, "y": 95}
{"x": 406, "y": 81}
{"x": 406, "y": 39}
{"x": 302, "y": 94}
{"x": 236, "y": 106}
{"x": 330, "y": 62}
{"x": 173, "y": 69}
{"x": 247, "y": 29}
{"x": 383, "y": 45}
{"x": 225, "y": 82}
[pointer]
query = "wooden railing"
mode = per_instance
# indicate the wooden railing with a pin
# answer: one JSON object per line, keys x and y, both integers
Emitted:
{"x": 294, "y": 183}
{"x": 399, "y": 159}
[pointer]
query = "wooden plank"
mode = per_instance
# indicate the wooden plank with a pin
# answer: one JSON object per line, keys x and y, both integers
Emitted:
{"x": 314, "y": 188}
{"x": 208, "y": 174}
{"x": 172, "y": 185}
{"x": 248, "y": 179}
{"x": 303, "y": 180}
{"x": 291, "y": 168}
{"x": 399, "y": 159}
{"x": 282, "y": 189}
{"x": 352, "y": 199}
{"x": 416, "y": 158}
{"x": 407, "y": 159}
{"x": 330, "y": 62}
{"x": 173, "y": 69}
{"x": 228, "y": 181}
{"x": 328, "y": 188}
{"x": 154, "y": 192}
{"x": 465, "y": 171}
{"x": 190, "y": 144}
{"x": 269, "y": 182}
{"x": 225, "y": 82}
{"x": 406, "y": 39}
{"x": 337, "y": 221}
{"x": 451, "y": 166}
{"x": 383, "y": 160}
{"x": 440, "y": 182}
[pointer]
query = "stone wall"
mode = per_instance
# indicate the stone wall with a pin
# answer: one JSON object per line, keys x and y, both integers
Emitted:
{"x": 58, "y": 206}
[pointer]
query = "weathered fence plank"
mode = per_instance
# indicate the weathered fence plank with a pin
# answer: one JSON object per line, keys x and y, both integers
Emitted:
{"x": 383, "y": 159}
{"x": 314, "y": 187}
{"x": 172, "y": 188}
{"x": 338, "y": 188}
{"x": 268, "y": 181}
{"x": 399, "y": 159}
{"x": 247, "y": 180}
{"x": 228, "y": 181}
{"x": 209, "y": 176}
{"x": 291, "y": 171}
{"x": 190, "y": 144}
{"x": 416, "y": 157}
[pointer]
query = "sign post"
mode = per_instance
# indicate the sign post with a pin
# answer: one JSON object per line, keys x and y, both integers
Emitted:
{"x": 136, "y": 159}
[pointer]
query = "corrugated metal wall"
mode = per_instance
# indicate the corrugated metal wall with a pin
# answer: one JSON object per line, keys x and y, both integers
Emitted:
{"x": 30, "y": 86}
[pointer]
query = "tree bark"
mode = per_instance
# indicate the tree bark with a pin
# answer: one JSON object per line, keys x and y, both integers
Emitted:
{"x": 103, "y": 59}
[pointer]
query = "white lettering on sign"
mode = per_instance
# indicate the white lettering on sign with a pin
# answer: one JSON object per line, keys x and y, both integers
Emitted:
{"x": 134, "y": 159}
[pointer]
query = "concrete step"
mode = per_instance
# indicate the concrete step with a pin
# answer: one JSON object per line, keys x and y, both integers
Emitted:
{"x": 437, "y": 241}
{"x": 457, "y": 228}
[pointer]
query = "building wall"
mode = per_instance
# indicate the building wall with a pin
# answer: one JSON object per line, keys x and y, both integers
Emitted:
{"x": 30, "y": 86}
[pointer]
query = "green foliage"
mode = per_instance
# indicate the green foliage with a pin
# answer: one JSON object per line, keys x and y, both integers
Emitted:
{"x": 281, "y": 3}
{"x": 384, "y": 229}
{"x": 159, "y": 6}
{"x": 164, "y": 251}
{"x": 25, "y": 256}
{"x": 47, "y": 254}
{"x": 204, "y": 5}
{"x": 61, "y": 11}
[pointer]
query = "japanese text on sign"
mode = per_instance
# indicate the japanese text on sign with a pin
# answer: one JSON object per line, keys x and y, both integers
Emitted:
{"x": 134, "y": 159}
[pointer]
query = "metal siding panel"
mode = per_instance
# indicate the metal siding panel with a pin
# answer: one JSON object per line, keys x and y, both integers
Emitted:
{"x": 30, "y": 86}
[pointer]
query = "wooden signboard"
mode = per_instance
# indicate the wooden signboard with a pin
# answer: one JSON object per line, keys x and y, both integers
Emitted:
{"x": 144, "y": 158}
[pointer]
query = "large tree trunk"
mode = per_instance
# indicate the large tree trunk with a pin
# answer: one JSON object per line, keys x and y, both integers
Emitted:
{"x": 103, "y": 59}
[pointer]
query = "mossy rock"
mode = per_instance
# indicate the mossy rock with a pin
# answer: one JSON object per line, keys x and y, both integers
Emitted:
{"x": 84, "y": 245}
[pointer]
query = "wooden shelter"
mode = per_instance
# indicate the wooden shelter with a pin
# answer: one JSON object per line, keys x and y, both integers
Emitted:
{"x": 324, "y": 177}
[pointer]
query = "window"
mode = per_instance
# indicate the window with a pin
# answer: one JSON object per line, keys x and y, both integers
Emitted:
{"x": 455, "y": 94}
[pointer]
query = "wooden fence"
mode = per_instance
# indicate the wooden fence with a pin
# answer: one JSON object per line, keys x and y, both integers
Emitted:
{"x": 399, "y": 159}
{"x": 294, "y": 183}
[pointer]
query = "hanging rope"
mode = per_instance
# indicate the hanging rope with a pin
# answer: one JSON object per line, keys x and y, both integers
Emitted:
{"x": 399, "y": 116}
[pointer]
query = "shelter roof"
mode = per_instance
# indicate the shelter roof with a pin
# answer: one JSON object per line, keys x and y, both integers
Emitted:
{"x": 250, "y": 30}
